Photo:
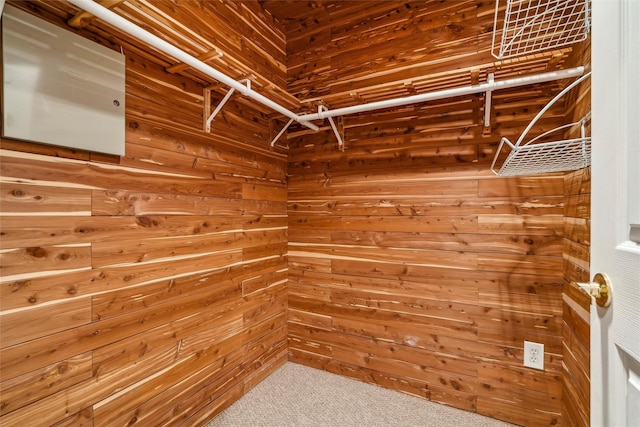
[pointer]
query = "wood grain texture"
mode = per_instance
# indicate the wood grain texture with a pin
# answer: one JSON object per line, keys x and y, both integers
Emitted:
{"x": 50, "y": 259}
{"x": 148, "y": 289}
{"x": 176, "y": 277}
{"x": 33, "y": 386}
{"x": 577, "y": 304}
{"x": 465, "y": 280}
{"x": 576, "y": 388}
{"x": 410, "y": 264}
{"x": 19, "y": 199}
{"x": 419, "y": 46}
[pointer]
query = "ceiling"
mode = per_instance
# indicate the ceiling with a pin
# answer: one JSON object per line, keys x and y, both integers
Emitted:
{"x": 336, "y": 53}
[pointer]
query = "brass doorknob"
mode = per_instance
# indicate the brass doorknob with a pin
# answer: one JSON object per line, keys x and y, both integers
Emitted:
{"x": 600, "y": 289}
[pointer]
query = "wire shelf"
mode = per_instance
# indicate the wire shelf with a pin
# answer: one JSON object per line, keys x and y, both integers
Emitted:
{"x": 535, "y": 157}
{"x": 531, "y": 26}
{"x": 557, "y": 156}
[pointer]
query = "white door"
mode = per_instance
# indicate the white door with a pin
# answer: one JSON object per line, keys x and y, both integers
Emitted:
{"x": 615, "y": 193}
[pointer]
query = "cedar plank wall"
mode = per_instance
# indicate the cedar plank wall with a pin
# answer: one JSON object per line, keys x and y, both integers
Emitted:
{"x": 411, "y": 266}
{"x": 576, "y": 303}
{"x": 150, "y": 289}
{"x": 468, "y": 354}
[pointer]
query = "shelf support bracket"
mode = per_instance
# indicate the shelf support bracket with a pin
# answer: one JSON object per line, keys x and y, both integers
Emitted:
{"x": 487, "y": 104}
{"x": 207, "y": 104}
{"x": 284, "y": 129}
{"x": 322, "y": 108}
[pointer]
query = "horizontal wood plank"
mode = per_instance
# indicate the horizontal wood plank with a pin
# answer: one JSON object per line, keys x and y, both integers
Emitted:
{"x": 18, "y": 199}
{"x": 442, "y": 207}
{"x": 144, "y": 204}
{"x": 38, "y": 259}
{"x": 77, "y": 174}
{"x": 25, "y": 325}
{"x": 174, "y": 278}
{"x": 33, "y": 386}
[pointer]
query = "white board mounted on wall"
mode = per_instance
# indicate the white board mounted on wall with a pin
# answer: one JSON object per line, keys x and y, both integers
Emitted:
{"x": 59, "y": 88}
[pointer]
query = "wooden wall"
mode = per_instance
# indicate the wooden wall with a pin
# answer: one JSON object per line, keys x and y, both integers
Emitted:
{"x": 576, "y": 303}
{"x": 577, "y": 241}
{"x": 155, "y": 288}
{"x": 414, "y": 268}
{"x": 411, "y": 265}
{"x": 148, "y": 289}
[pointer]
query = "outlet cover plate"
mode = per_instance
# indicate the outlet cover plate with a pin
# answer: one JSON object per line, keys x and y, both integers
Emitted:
{"x": 534, "y": 355}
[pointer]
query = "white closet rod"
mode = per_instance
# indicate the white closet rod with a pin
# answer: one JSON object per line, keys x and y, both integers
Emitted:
{"x": 152, "y": 40}
{"x": 446, "y": 93}
{"x": 304, "y": 119}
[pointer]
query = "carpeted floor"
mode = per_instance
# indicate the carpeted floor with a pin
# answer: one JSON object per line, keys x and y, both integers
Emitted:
{"x": 296, "y": 395}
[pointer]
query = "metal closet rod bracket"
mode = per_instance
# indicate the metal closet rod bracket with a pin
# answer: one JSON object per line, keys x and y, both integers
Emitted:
{"x": 332, "y": 123}
{"x": 487, "y": 101}
{"x": 322, "y": 108}
{"x": 224, "y": 100}
{"x": 284, "y": 129}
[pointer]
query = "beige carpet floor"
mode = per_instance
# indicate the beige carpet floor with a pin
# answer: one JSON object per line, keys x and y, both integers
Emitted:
{"x": 296, "y": 395}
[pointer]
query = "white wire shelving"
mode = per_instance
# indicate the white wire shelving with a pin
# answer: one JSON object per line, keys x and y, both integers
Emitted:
{"x": 535, "y": 156}
{"x": 530, "y": 26}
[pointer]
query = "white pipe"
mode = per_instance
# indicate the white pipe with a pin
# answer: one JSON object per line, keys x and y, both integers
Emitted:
{"x": 446, "y": 93}
{"x": 152, "y": 40}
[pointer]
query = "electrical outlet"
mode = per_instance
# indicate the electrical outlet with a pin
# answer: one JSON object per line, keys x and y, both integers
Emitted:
{"x": 534, "y": 355}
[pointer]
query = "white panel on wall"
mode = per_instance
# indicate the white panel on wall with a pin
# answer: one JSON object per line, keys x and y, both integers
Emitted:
{"x": 59, "y": 88}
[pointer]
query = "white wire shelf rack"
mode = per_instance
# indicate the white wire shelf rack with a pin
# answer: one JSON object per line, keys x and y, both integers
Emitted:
{"x": 530, "y": 26}
{"x": 535, "y": 157}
